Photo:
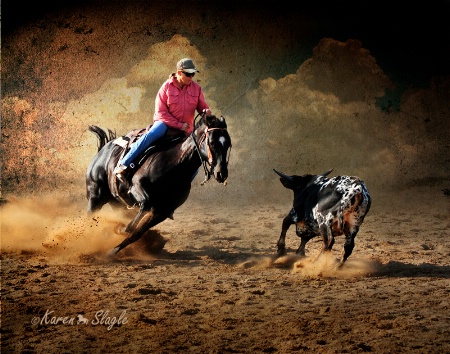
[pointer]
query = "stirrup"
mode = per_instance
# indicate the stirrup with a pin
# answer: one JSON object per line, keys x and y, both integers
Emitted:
{"x": 120, "y": 176}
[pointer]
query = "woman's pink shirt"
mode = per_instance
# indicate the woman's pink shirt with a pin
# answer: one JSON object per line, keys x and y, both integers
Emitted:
{"x": 175, "y": 106}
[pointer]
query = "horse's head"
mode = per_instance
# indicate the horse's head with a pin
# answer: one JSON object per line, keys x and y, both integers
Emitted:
{"x": 215, "y": 145}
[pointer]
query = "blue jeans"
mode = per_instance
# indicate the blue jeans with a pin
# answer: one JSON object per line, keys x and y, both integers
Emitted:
{"x": 157, "y": 131}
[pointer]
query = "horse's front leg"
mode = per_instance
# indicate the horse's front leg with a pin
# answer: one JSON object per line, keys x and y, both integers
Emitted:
{"x": 143, "y": 221}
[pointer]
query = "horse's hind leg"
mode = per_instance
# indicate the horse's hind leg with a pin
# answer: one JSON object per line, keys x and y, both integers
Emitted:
{"x": 138, "y": 226}
{"x": 96, "y": 197}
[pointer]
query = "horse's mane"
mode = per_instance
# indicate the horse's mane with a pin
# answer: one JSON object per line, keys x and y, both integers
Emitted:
{"x": 198, "y": 121}
{"x": 213, "y": 121}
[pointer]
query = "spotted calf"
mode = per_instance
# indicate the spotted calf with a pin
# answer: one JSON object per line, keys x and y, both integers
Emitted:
{"x": 326, "y": 207}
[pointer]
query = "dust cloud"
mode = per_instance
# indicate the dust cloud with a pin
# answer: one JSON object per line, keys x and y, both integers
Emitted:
{"x": 317, "y": 265}
{"x": 59, "y": 229}
{"x": 327, "y": 265}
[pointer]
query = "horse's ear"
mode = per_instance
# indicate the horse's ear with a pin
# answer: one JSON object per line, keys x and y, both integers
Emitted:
{"x": 222, "y": 120}
{"x": 208, "y": 119}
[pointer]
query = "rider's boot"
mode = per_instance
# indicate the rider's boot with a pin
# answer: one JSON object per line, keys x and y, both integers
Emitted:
{"x": 121, "y": 172}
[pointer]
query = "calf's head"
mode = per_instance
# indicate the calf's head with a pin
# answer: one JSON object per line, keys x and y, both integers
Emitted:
{"x": 295, "y": 182}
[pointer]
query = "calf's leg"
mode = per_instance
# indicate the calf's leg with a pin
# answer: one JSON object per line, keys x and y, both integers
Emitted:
{"x": 281, "y": 244}
{"x": 349, "y": 243}
{"x": 301, "y": 249}
{"x": 327, "y": 236}
{"x": 304, "y": 238}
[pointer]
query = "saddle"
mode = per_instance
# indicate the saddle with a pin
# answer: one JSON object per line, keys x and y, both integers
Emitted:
{"x": 171, "y": 138}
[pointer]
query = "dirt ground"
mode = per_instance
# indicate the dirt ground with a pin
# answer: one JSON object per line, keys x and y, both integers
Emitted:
{"x": 217, "y": 287}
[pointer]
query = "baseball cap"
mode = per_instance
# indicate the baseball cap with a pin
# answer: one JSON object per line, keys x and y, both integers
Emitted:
{"x": 186, "y": 65}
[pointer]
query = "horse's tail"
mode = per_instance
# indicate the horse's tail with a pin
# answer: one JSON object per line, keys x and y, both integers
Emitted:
{"x": 102, "y": 136}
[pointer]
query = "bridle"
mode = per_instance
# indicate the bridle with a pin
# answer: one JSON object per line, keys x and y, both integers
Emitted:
{"x": 209, "y": 162}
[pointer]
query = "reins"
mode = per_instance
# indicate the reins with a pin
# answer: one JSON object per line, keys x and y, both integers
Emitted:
{"x": 207, "y": 173}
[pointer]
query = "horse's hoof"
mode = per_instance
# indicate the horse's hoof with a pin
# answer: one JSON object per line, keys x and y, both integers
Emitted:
{"x": 113, "y": 252}
{"x": 340, "y": 264}
{"x": 281, "y": 252}
{"x": 120, "y": 229}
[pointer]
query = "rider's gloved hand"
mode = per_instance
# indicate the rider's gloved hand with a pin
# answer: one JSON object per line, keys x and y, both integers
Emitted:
{"x": 185, "y": 127}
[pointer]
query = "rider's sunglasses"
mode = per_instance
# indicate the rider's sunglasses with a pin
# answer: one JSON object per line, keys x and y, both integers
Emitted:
{"x": 188, "y": 74}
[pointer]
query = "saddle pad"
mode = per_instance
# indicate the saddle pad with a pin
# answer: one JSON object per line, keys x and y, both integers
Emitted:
{"x": 121, "y": 142}
{"x": 130, "y": 138}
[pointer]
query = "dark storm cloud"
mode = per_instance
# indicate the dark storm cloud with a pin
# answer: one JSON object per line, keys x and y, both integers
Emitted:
{"x": 408, "y": 39}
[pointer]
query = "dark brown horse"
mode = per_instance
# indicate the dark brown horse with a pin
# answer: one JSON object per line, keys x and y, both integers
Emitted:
{"x": 163, "y": 181}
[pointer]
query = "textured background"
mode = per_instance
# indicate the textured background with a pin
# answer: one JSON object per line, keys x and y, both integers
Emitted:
{"x": 363, "y": 90}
